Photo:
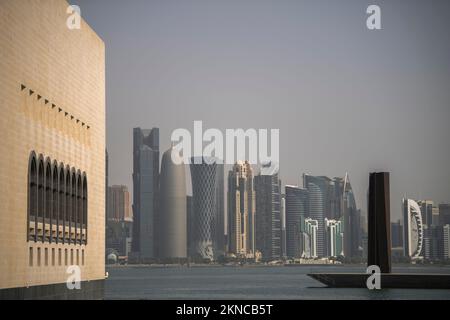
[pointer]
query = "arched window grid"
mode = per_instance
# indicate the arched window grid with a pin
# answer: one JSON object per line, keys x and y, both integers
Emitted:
{"x": 57, "y": 209}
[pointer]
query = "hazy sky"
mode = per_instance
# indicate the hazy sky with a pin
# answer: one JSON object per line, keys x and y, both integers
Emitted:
{"x": 344, "y": 98}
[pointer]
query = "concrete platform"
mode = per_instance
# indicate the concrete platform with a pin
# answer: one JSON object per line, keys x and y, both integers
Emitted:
{"x": 388, "y": 280}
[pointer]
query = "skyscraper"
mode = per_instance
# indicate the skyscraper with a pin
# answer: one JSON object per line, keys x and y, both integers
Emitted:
{"x": 190, "y": 225}
{"x": 350, "y": 217}
{"x": 297, "y": 208}
{"x": 219, "y": 242}
{"x": 318, "y": 188}
{"x": 241, "y": 209}
{"x": 426, "y": 210}
{"x": 267, "y": 214}
{"x": 52, "y": 158}
{"x": 118, "y": 205}
{"x": 309, "y": 238}
{"x": 145, "y": 192}
{"x": 335, "y": 237}
{"x": 283, "y": 226}
{"x": 413, "y": 229}
{"x": 444, "y": 214}
{"x": 172, "y": 222}
{"x": 207, "y": 203}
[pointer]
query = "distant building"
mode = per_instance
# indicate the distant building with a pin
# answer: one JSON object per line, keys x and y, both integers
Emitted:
{"x": 283, "y": 226}
{"x": 309, "y": 238}
{"x": 426, "y": 210}
{"x": 433, "y": 243}
{"x": 267, "y": 215}
{"x": 334, "y": 237}
{"x": 319, "y": 206}
{"x": 172, "y": 222}
{"x": 446, "y": 236}
{"x": 145, "y": 193}
{"x": 444, "y": 214}
{"x": 297, "y": 207}
{"x": 119, "y": 220}
{"x": 190, "y": 225}
{"x": 413, "y": 229}
{"x": 397, "y": 234}
{"x": 119, "y": 207}
{"x": 118, "y": 236}
{"x": 207, "y": 203}
{"x": 241, "y": 209}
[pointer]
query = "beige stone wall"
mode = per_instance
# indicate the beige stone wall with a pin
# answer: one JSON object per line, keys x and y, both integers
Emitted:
{"x": 63, "y": 119}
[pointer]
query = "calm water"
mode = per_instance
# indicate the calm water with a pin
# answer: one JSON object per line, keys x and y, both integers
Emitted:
{"x": 248, "y": 283}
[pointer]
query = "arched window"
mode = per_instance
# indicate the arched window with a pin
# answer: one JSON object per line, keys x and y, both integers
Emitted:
{"x": 62, "y": 200}
{"x": 54, "y": 216}
{"x": 41, "y": 188}
{"x": 85, "y": 206}
{"x": 48, "y": 198}
{"x": 41, "y": 197}
{"x": 79, "y": 204}
{"x": 74, "y": 204}
{"x": 56, "y": 202}
{"x": 32, "y": 197}
{"x": 68, "y": 203}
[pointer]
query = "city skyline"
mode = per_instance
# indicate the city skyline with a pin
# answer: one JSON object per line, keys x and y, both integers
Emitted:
{"x": 349, "y": 109}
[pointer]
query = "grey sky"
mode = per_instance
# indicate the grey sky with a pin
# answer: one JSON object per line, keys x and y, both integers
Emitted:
{"x": 344, "y": 98}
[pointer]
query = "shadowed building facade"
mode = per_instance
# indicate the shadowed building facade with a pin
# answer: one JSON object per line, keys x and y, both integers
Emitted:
{"x": 297, "y": 207}
{"x": 52, "y": 155}
{"x": 268, "y": 215}
{"x": 145, "y": 193}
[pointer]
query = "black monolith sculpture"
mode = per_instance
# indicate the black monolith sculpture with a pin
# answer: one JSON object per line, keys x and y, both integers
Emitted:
{"x": 379, "y": 222}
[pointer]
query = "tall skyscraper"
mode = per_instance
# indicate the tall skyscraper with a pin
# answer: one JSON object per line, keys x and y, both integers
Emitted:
{"x": 413, "y": 229}
{"x": 319, "y": 204}
{"x": 219, "y": 242}
{"x": 119, "y": 207}
{"x": 207, "y": 203}
{"x": 172, "y": 226}
{"x": 241, "y": 209}
{"x": 350, "y": 216}
{"x": 52, "y": 155}
{"x": 145, "y": 192}
{"x": 297, "y": 208}
{"x": 267, "y": 214}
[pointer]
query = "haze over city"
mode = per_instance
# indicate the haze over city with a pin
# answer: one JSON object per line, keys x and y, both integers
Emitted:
{"x": 343, "y": 97}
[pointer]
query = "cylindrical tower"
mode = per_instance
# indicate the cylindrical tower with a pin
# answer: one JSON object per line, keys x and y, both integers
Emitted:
{"x": 172, "y": 224}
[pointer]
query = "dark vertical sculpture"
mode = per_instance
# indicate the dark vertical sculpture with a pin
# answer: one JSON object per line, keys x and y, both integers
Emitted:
{"x": 379, "y": 244}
